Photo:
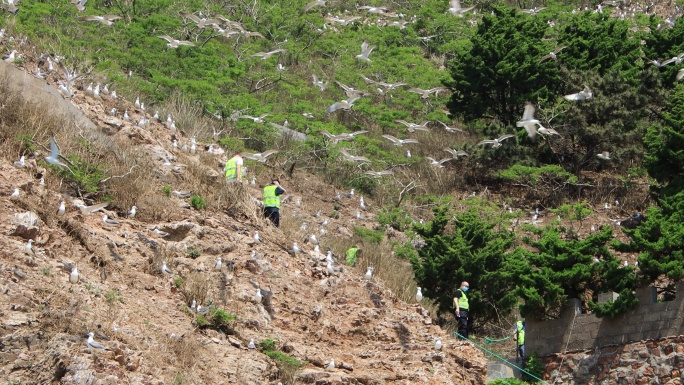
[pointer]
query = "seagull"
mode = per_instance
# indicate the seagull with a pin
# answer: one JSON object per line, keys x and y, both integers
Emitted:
{"x": 419, "y": 295}
{"x": 53, "y": 159}
{"x": 218, "y": 264}
{"x": 528, "y": 121}
{"x": 533, "y": 11}
{"x": 29, "y": 248}
{"x": 91, "y": 343}
{"x": 313, "y": 4}
{"x": 20, "y": 163}
{"x": 73, "y": 276}
{"x": 676, "y": 59}
{"x": 552, "y": 55}
{"x": 10, "y": 58}
{"x": 15, "y": 193}
{"x": 62, "y": 208}
{"x": 424, "y": 94}
{"x": 331, "y": 364}
{"x": 132, "y": 212}
{"x": 258, "y": 296}
{"x": 399, "y": 142}
{"x": 165, "y": 269}
{"x": 266, "y": 55}
{"x": 365, "y": 51}
{"x": 378, "y": 174}
{"x": 86, "y": 210}
{"x": 680, "y": 74}
{"x": 412, "y": 127}
{"x": 456, "y": 153}
{"x": 295, "y": 248}
{"x": 605, "y": 155}
{"x": 353, "y": 158}
{"x": 455, "y": 8}
{"x": 497, "y": 141}
{"x": 378, "y": 10}
{"x": 174, "y": 43}
{"x": 259, "y": 156}
{"x": 257, "y": 238}
{"x": 201, "y": 22}
{"x": 251, "y": 344}
{"x": 330, "y": 268}
{"x": 345, "y": 104}
{"x": 362, "y": 203}
{"x": 107, "y": 221}
{"x": 107, "y": 20}
{"x": 438, "y": 163}
{"x": 585, "y": 94}
{"x": 369, "y": 273}
{"x": 255, "y": 119}
{"x": 438, "y": 344}
{"x": 450, "y": 129}
{"x": 193, "y": 305}
{"x": 342, "y": 136}
{"x": 546, "y": 131}
{"x": 80, "y": 4}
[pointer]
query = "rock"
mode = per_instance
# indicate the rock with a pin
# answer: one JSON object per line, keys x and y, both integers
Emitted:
{"x": 27, "y": 232}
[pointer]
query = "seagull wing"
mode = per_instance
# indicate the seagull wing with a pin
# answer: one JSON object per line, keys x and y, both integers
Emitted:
{"x": 167, "y": 38}
{"x": 358, "y": 132}
{"x": 504, "y": 137}
{"x": 391, "y": 138}
{"x": 190, "y": 16}
{"x": 528, "y": 114}
{"x": 486, "y": 141}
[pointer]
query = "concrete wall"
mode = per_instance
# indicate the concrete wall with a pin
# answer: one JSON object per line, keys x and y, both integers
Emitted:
{"x": 574, "y": 331}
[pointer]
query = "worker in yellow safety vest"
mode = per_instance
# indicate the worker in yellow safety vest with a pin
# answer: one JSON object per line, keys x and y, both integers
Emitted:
{"x": 272, "y": 194}
{"x": 233, "y": 169}
{"x": 462, "y": 308}
{"x": 520, "y": 336}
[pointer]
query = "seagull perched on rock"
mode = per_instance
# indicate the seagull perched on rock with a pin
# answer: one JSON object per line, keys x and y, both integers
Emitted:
{"x": 92, "y": 344}
{"x": 257, "y": 238}
{"x": 165, "y": 269}
{"x": 159, "y": 233}
{"x": 110, "y": 222}
{"x": 369, "y": 273}
{"x": 251, "y": 344}
{"x": 438, "y": 344}
{"x": 20, "y": 163}
{"x": 132, "y": 212}
{"x": 496, "y": 142}
{"x": 419, "y": 295}
{"x": 365, "y": 51}
{"x": 399, "y": 142}
{"x": 258, "y": 296}
{"x": 331, "y": 364}
{"x": 174, "y": 43}
{"x": 218, "y": 264}
{"x": 62, "y": 208}
{"x": 15, "y": 193}
{"x": 29, "y": 247}
{"x": 73, "y": 276}
{"x": 585, "y": 94}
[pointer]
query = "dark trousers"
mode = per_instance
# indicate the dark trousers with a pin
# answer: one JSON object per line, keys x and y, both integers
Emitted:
{"x": 273, "y": 213}
{"x": 521, "y": 351}
{"x": 462, "y": 320}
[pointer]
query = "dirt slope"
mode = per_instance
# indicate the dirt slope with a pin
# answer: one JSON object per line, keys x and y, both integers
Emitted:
{"x": 143, "y": 318}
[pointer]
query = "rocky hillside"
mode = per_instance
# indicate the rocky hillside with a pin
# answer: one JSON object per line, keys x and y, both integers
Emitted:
{"x": 307, "y": 315}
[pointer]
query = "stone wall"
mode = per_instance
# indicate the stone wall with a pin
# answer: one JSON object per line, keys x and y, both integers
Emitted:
{"x": 641, "y": 363}
{"x": 576, "y": 332}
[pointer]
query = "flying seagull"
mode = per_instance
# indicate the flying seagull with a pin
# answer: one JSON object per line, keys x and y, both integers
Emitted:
{"x": 346, "y": 104}
{"x": 266, "y": 55}
{"x": 174, "y": 43}
{"x": 378, "y": 174}
{"x": 456, "y": 153}
{"x": 412, "y": 127}
{"x": 455, "y": 8}
{"x": 438, "y": 163}
{"x": 259, "y": 156}
{"x": 552, "y": 54}
{"x": 528, "y": 121}
{"x": 365, "y": 51}
{"x": 313, "y": 4}
{"x": 107, "y": 20}
{"x": 605, "y": 155}
{"x": 585, "y": 94}
{"x": 496, "y": 142}
{"x": 450, "y": 129}
{"x": 353, "y": 158}
{"x": 53, "y": 159}
{"x": 342, "y": 136}
{"x": 399, "y": 142}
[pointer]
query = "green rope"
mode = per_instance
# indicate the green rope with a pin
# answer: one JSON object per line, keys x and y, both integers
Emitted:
{"x": 503, "y": 360}
{"x": 490, "y": 340}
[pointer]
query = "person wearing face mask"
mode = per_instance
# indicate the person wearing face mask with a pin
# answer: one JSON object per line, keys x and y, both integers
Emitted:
{"x": 462, "y": 307}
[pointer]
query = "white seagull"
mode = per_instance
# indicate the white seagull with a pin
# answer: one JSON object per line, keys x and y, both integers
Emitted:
{"x": 438, "y": 163}
{"x": 605, "y": 155}
{"x": 20, "y": 163}
{"x": 165, "y": 269}
{"x": 365, "y": 51}
{"x": 73, "y": 276}
{"x": 110, "y": 222}
{"x": 496, "y": 142}
{"x": 585, "y": 94}
{"x": 455, "y": 8}
{"x": 91, "y": 343}
{"x": 174, "y": 43}
{"x": 62, "y": 208}
{"x": 419, "y": 295}
{"x": 54, "y": 155}
{"x": 218, "y": 264}
{"x": 258, "y": 296}
{"x": 369, "y": 273}
{"x": 399, "y": 142}
{"x": 528, "y": 121}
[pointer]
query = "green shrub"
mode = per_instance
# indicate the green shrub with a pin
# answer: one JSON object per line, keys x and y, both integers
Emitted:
{"x": 396, "y": 217}
{"x": 178, "y": 282}
{"x": 166, "y": 190}
{"x": 197, "y": 202}
{"x": 535, "y": 367}
{"x": 368, "y": 235}
{"x": 193, "y": 253}
{"x": 531, "y": 175}
{"x": 221, "y": 317}
{"x": 201, "y": 320}
{"x": 267, "y": 344}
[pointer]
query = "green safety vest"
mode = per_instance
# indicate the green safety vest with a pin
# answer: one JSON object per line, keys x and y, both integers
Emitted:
{"x": 270, "y": 197}
{"x": 463, "y": 301}
{"x": 231, "y": 170}
{"x": 521, "y": 333}
{"x": 351, "y": 256}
